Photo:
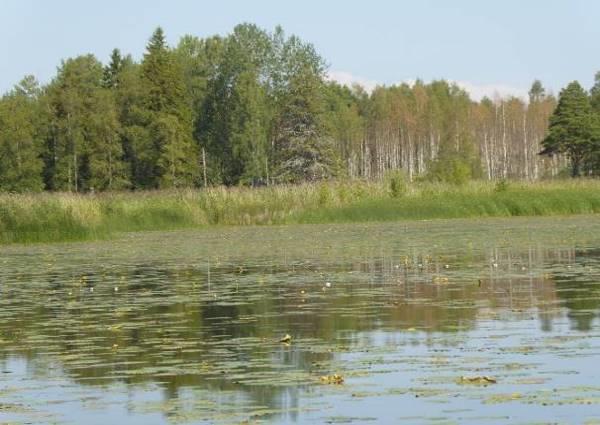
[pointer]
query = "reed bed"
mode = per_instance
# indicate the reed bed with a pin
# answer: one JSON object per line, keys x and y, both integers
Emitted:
{"x": 50, "y": 217}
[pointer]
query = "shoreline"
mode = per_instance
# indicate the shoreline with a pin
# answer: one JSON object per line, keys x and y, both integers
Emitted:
{"x": 65, "y": 217}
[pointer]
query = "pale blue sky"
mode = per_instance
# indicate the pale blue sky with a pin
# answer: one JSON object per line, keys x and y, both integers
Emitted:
{"x": 485, "y": 44}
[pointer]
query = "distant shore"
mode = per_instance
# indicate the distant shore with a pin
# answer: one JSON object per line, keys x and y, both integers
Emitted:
{"x": 57, "y": 217}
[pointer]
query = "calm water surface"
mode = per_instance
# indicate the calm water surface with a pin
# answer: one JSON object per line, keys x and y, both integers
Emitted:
{"x": 185, "y": 327}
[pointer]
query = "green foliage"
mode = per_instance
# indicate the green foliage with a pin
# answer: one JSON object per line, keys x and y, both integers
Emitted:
{"x": 455, "y": 165}
{"x": 236, "y": 120}
{"x": 574, "y": 129}
{"x": 20, "y": 143}
{"x": 303, "y": 151}
{"x": 437, "y": 201}
{"x": 595, "y": 93}
{"x": 84, "y": 150}
{"x": 501, "y": 186}
{"x": 537, "y": 92}
{"x": 176, "y": 163}
{"x": 344, "y": 117}
{"x": 163, "y": 152}
{"x": 104, "y": 151}
{"x": 324, "y": 195}
{"x": 162, "y": 77}
{"x": 63, "y": 216}
{"x": 397, "y": 183}
{"x": 112, "y": 71}
{"x": 262, "y": 117}
{"x": 256, "y": 108}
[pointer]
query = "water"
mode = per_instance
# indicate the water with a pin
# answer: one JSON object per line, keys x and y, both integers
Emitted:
{"x": 185, "y": 327}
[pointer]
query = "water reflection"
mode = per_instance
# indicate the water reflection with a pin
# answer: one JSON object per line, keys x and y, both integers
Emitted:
{"x": 205, "y": 312}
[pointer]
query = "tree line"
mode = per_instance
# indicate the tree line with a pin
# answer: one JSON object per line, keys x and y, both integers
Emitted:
{"x": 256, "y": 107}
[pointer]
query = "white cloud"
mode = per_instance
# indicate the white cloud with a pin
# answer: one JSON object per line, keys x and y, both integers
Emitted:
{"x": 347, "y": 79}
{"x": 493, "y": 91}
{"x": 475, "y": 90}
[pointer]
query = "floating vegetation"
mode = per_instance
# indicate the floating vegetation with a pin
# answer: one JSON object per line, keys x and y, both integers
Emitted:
{"x": 503, "y": 398}
{"x": 239, "y": 325}
{"x": 286, "y": 339}
{"x": 440, "y": 280}
{"x": 477, "y": 380}
{"x": 332, "y": 379}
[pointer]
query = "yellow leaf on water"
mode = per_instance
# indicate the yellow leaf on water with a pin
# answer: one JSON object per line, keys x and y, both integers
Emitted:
{"x": 332, "y": 379}
{"x": 478, "y": 380}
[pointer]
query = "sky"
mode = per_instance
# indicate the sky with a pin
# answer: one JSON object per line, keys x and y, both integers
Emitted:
{"x": 487, "y": 47}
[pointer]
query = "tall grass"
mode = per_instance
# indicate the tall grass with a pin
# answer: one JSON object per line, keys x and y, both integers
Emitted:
{"x": 61, "y": 216}
{"x": 473, "y": 200}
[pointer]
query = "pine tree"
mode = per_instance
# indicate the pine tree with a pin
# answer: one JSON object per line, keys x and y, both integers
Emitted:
{"x": 573, "y": 128}
{"x": 536, "y": 92}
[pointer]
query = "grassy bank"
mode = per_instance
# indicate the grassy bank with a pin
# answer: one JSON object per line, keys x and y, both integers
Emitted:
{"x": 60, "y": 217}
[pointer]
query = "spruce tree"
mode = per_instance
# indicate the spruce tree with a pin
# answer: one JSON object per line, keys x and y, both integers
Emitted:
{"x": 168, "y": 118}
{"x": 110, "y": 78}
{"x": 304, "y": 152}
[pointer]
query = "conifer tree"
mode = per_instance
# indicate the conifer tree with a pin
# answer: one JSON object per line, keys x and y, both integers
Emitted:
{"x": 573, "y": 128}
{"x": 110, "y": 78}
{"x": 537, "y": 92}
{"x": 304, "y": 151}
{"x": 169, "y": 119}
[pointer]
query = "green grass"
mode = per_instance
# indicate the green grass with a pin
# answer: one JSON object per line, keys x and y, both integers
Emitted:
{"x": 50, "y": 217}
{"x": 523, "y": 201}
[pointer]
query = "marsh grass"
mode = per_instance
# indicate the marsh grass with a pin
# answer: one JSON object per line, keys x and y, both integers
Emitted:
{"x": 52, "y": 217}
{"x": 431, "y": 201}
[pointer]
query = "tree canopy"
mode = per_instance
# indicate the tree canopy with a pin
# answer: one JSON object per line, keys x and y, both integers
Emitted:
{"x": 257, "y": 107}
{"x": 574, "y": 130}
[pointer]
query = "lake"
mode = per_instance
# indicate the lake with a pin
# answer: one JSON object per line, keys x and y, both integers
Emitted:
{"x": 448, "y": 321}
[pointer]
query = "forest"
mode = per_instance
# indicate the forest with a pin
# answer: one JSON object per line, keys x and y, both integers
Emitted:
{"x": 256, "y": 108}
